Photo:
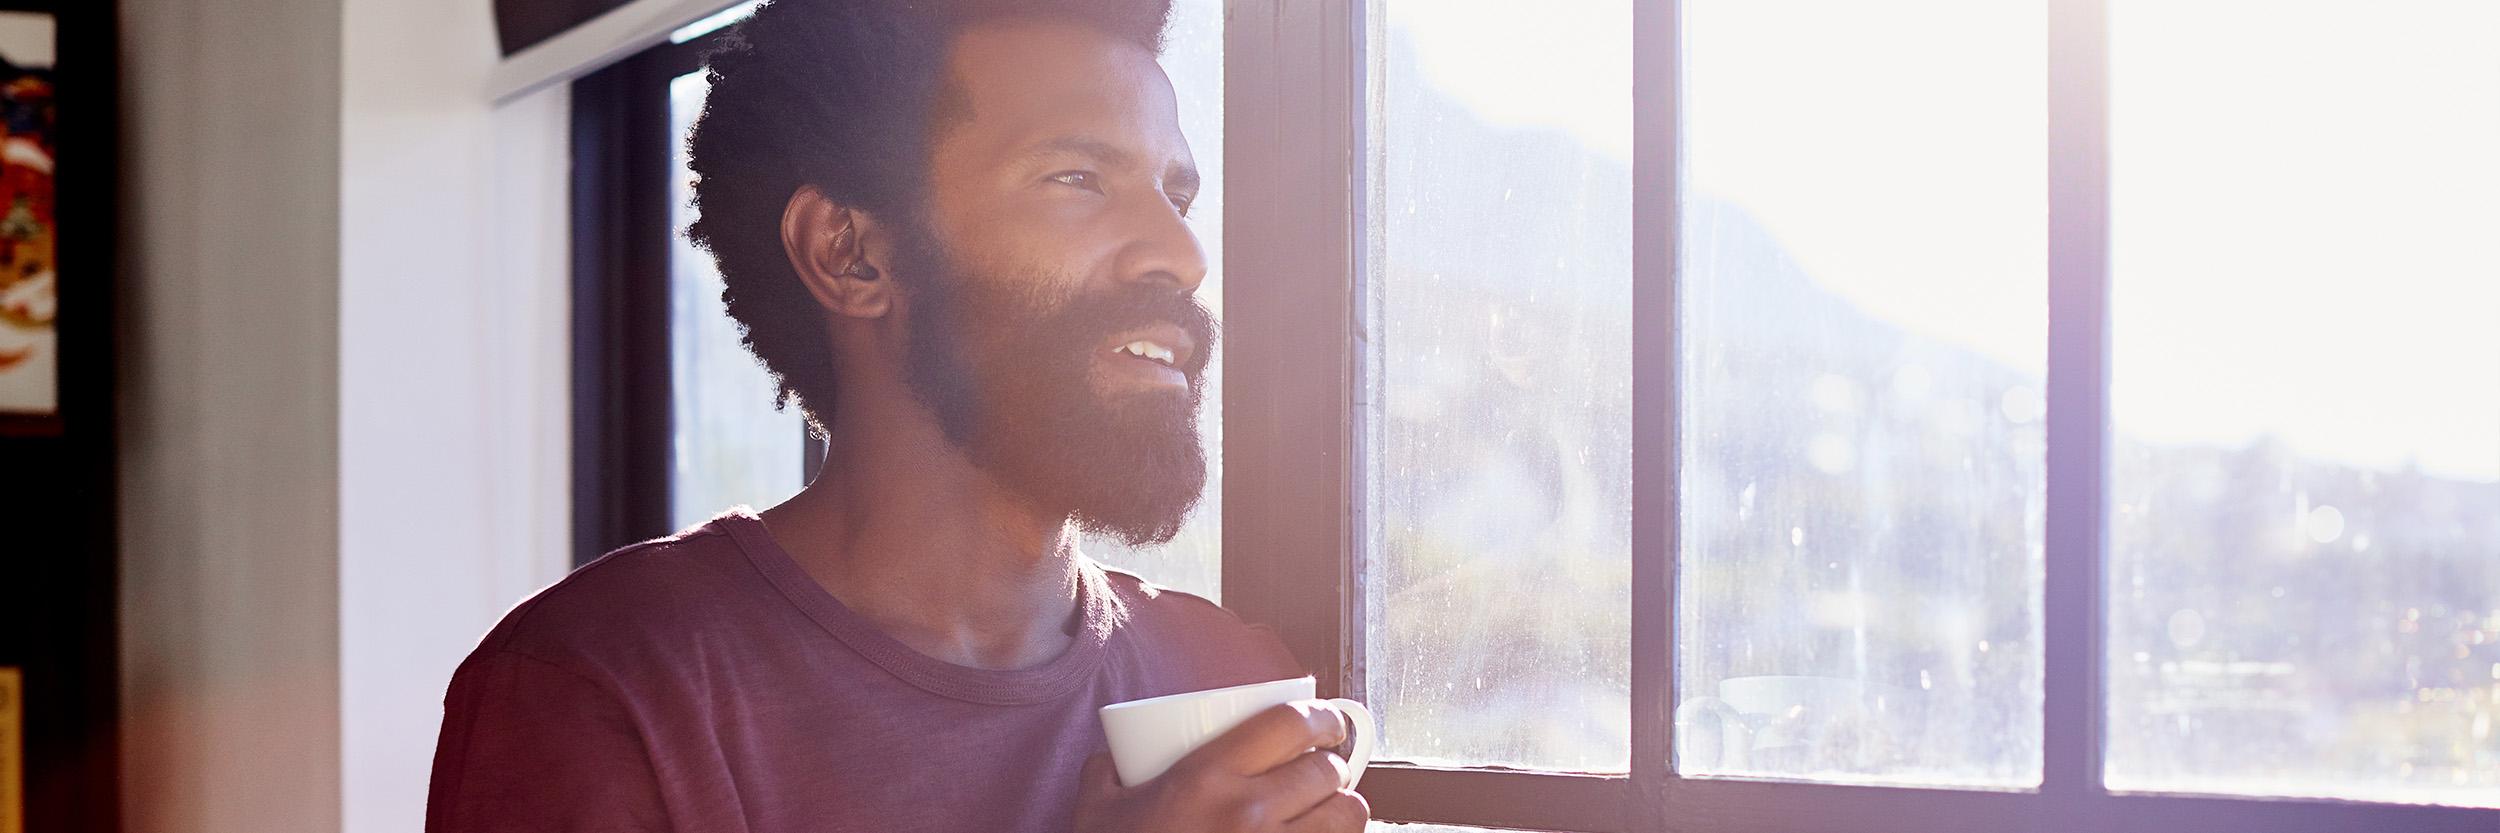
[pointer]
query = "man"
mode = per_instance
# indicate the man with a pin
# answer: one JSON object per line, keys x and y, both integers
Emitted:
{"x": 955, "y": 232}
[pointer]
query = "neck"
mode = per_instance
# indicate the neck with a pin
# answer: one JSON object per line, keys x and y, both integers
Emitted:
{"x": 904, "y": 529}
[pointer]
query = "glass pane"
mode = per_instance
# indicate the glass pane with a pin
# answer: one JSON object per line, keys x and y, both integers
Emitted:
{"x": 1500, "y": 487}
{"x": 1865, "y": 336}
{"x": 1193, "y": 55}
{"x": 730, "y": 446}
{"x": 2304, "y": 577}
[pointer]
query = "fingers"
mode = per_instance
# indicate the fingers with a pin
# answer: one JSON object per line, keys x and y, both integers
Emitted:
{"x": 1304, "y": 782}
{"x": 1343, "y": 812}
{"x": 1296, "y": 788}
{"x": 1274, "y": 736}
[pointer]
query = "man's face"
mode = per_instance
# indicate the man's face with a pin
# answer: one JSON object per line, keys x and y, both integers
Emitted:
{"x": 1052, "y": 323}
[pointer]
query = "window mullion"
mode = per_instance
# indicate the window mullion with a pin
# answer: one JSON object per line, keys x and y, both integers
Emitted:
{"x": 2078, "y": 398}
{"x": 1293, "y": 76}
{"x": 1657, "y": 138}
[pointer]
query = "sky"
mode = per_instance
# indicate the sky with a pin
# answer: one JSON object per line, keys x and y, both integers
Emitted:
{"x": 2303, "y": 195}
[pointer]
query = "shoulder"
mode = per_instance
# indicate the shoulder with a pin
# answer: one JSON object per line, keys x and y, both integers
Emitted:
{"x": 1175, "y": 624}
{"x": 1156, "y": 603}
{"x": 631, "y": 602}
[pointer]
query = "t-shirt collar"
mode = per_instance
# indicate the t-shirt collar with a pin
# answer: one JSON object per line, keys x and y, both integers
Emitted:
{"x": 1100, "y": 609}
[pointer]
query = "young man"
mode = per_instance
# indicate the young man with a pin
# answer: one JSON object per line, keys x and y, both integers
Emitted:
{"x": 956, "y": 232}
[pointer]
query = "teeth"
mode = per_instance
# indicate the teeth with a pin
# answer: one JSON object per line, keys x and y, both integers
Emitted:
{"x": 1148, "y": 350}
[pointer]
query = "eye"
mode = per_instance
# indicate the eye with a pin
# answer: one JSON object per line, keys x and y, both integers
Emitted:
{"x": 1080, "y": 179}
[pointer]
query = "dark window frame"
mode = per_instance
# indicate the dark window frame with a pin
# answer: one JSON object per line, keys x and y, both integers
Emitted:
{"x": 622, "y": 419}
{"x": 1297, "y": 378}
{"x": 620, "y": 304}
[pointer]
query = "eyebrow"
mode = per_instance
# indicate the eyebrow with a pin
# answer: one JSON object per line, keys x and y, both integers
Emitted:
{"x": 1180, "y": 177}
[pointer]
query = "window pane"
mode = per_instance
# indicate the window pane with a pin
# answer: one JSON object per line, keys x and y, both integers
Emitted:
{"x": 730, "y": 446}
{"x": 2304, "y": 577}
{"x": 1193, "y": 55}
{"x": 1865, "y": 336}
{"x": 1500, "y": 485}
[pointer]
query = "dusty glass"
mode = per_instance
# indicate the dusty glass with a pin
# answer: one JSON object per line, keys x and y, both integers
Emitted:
{"x": 1865, "y": 337}
{"x": 1498, "y": 490}
{"x": 2304, "y": 574}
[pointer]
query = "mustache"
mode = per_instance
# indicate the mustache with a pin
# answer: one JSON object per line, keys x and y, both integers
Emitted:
{"x": 1092, "y": 317}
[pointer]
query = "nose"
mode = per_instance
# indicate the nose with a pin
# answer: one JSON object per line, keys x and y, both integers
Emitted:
{"x": 1162, "y": 248}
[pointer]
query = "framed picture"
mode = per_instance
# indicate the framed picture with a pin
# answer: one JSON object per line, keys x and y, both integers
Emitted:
{"x": 30, "y": 291}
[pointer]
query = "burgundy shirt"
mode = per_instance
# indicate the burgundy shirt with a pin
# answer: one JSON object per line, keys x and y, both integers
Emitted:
{"x": 704, "y": 682}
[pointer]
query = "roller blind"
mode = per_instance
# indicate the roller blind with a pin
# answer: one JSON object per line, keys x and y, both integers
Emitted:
{"x": 547, "y": 42}
{"x": 521, "y": 24}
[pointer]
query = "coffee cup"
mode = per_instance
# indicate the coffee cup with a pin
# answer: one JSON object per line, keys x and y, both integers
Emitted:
{"x": 1148, "y": 736}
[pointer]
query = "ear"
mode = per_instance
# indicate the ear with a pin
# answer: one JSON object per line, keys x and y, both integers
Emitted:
{"x": 827, "y": 246}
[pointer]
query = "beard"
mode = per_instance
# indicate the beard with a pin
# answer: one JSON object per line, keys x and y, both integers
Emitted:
{"x": 1007, "y": 369}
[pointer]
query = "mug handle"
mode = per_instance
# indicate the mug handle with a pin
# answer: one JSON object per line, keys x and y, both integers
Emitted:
{"x": 1727, "y": 743}
{"x": 1359, "y": 729}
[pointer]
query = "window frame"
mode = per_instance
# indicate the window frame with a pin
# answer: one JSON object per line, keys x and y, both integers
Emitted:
{"x": 620, "y": 364}
{"x": 623, "y": 419}
{"x": 1297, "y": 434}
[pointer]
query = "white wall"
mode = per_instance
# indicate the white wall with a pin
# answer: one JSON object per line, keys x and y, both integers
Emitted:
{"x": 345, "y": 402}
{"x": 229, "y": 415}
{"x": 454, "y": 385}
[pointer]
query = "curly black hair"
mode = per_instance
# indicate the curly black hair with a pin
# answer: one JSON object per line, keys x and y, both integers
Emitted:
{"x": 848, "y": 96}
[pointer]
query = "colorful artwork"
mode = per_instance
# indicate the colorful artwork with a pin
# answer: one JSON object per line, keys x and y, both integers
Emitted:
{"x": 29, "y": 285}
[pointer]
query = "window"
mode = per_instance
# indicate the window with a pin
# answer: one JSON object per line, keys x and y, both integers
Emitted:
{"x": 1864, "y": 346}
{"x": 1500, "y": 303}
{"x": 727, "y": 444}
{"x": 2304, "y": 598}
{"x": 1778, "y": 414}
{"x": 673, "y": 419}
{"x": 1780, "y": 334}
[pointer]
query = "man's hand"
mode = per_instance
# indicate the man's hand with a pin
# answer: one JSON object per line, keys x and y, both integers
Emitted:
{"x": 1271, "y": 774}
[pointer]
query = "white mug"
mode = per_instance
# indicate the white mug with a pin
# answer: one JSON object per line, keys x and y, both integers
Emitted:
{"x": 1149, "y": 736}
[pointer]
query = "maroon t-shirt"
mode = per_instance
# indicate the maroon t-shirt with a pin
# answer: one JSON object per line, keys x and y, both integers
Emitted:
{"x": 704, "y": 682}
